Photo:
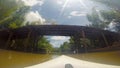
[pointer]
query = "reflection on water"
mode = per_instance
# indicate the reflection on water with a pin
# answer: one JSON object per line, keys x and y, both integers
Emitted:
{"x": 12, "y": 59}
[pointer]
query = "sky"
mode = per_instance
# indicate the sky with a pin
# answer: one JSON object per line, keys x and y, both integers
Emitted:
{"x": 61, "y": 12}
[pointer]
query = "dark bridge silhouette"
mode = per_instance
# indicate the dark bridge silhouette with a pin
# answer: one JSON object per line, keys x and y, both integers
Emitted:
{"x": 61, "y": 30}
{"x": 77, "y": 32}
{"x": 56, "y": 30}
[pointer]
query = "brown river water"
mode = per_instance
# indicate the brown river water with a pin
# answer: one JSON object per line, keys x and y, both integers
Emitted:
{"x": 13, "y": 59}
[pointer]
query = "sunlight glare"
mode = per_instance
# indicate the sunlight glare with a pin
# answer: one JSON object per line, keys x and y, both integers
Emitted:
{"x": 82, "y": 3}
{"x": 72, "y": 2}
{"x": 64, "y": 6}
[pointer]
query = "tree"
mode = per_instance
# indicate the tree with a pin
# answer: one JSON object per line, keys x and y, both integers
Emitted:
{"x": 95, "y": 19}
{"x": 44, "y": 45}
{"x": 114, "y": 4}
{"x": 65, "y": 47}
{"x": 7, "y": 7}
{"x": 12, "y": 13}
{"x": 114, "y": 14}
{"x": 16, "y": 19}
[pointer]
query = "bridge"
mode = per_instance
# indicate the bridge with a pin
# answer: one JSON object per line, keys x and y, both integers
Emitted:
{"x": 77, "y": 32}
{"x": 61, "y": 30}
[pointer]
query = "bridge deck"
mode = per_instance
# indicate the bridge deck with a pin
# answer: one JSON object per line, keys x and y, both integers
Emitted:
{"x": 57, "y": 30}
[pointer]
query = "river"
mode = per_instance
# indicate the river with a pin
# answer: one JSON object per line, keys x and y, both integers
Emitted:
{"x": 13, "y": 59}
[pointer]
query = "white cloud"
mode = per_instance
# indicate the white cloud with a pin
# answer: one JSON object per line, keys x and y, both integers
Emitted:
{"x": 34, "y": 17}
{"x": 112, "y": 25}
{"x": 33, "y": 2}
{"x": 69, "y": 17}
{"x": 60, "y": 2}
{"x": 57, "y": 38}
{"x": 56, "y": 41}
{"x": 77, "y": 13}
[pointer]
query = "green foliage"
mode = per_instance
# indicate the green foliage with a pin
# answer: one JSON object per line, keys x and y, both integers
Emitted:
{"x": 115, "y": 4}
{"x": 65, "y": 47}
{"x": 85, "y": 41}
{"x": 17, "y": 18}
{"x": 45, "y": 45}
{"x": 12, "y": 13}
{"x": 109, "y": 16}
{"x": 7, "y": 7}
{"x": 96, "y": 20}
{"x": 13, "y": 25}
{"x": 71, "y": 40}
{"x": 114, "y": 16}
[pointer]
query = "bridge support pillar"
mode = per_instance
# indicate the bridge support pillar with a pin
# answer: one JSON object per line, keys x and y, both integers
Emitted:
{"x": 84, "y": 40}
{"x": 77, "y": 45}
{"x": 80, "y": 42}
{"x": 31, "y": 41}
{"x": 105, "y": 39}
{"x": 26, "y": 42}
{"x": 35, "y": 43}
{"x": 8, "y": 40}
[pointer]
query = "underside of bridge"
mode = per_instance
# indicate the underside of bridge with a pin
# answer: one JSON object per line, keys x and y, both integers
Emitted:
{"x": 36, "y": 31}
